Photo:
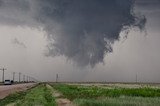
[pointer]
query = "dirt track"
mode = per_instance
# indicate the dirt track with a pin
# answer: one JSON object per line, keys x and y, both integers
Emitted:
{"x": 8, "y": 89}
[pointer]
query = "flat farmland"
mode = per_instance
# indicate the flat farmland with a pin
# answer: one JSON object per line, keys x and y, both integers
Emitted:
{"x": 86, "y": 94}
{"x": 116, "y": 94}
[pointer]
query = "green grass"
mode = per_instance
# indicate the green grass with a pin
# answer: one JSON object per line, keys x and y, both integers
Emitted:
{"x": 73, "y": 91}
{"x": 12, "y": 98}
{"x": 39, "y": 96}
{"x": 99, "y": 96}
{"x": 118, "y": 101}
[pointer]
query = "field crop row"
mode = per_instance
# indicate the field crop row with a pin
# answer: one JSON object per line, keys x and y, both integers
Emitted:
{"x": 74, "y": 91}
{"x": 39, "y": 96}
{"x": 99, "y": 96}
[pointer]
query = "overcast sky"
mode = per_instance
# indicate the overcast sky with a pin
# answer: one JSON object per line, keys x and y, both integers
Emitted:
{"x": 81, "y": 41}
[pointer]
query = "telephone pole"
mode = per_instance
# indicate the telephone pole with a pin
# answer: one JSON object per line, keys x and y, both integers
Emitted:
{"x": 56, "y": 78}
{"x": 13, "y": 76}
{"x": 3, "y": 74}
{"x": 23, "y": 78}
{"x": 136, "y": 78}
{"x": 27, "y": 78}
{"x": 19, "y": 77}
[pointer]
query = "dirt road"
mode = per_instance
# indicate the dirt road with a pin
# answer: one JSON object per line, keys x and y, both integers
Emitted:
{"x": 61, "y": 101}
{"x": 8, "y": 89}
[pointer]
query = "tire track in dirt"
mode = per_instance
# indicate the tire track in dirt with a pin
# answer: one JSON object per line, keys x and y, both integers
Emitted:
{"x": 61, "y": 101}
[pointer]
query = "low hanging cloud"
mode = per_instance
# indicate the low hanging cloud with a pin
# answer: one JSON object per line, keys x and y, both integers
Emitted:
{"x": 81, "y": 30}
{"x": 18, "y": 43}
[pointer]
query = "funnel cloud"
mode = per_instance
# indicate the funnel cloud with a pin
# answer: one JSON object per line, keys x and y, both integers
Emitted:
{"x": 81, "y": 30}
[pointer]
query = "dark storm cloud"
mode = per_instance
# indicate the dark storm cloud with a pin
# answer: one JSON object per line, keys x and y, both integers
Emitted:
{"x": 81, "y": 30}
{"x": 149, "y": 6}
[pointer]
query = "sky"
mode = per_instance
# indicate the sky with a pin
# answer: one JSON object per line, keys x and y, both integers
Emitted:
{"x": 85, "y": 40}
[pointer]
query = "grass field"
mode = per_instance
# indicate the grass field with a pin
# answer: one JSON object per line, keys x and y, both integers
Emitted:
{"x": 100, "y": 96}
{"x": 86, "y": 95}
{"x": 124, "y": 101}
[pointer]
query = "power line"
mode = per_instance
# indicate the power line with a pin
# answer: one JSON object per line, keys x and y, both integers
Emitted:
{"x": 14, "y": 74}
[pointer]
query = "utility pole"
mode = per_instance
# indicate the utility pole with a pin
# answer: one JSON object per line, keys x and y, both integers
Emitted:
{"x": 56, "y": 78}
{"x": 13, "y": 76}
{"x": 3, "y": 74}
{"x": 19, "y": 77}
{"x": 31, "y": 79}
{"x": 23, "y": 78}
{"x": 27, "y": 78}
{"x": 136, "y": 78}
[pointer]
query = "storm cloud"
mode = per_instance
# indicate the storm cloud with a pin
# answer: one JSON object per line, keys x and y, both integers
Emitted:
{"x": 81, "y": 30}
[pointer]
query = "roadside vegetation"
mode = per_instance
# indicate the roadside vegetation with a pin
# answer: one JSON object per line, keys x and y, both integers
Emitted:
{"x": 15, "y": 96}
{"x": 37, "y": 96}
{"x": 12, "y": 98}
{"x": 99, "y": 96}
